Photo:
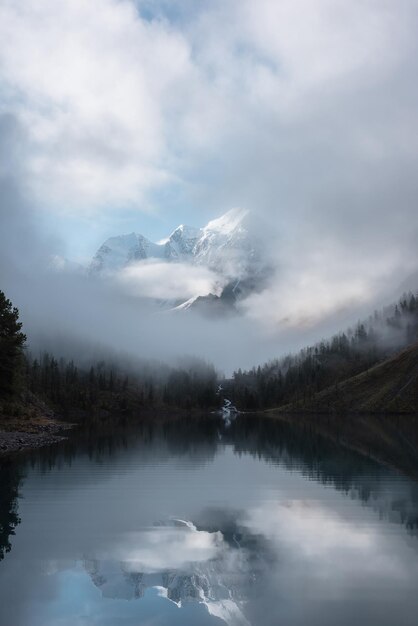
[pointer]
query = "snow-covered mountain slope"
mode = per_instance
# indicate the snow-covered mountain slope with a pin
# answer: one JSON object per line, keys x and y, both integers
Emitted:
{"x": 118, "y": 252}
{"x": 228, "y": 246}
{"x": 181, "y": 243}
{"x": 225, "y": 245}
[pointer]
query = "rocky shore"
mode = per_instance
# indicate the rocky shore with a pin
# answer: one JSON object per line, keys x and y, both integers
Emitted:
{"x": 35, "y": 435}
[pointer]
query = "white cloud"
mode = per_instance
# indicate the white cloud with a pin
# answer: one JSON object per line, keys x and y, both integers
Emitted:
{"x": 335, "y": 546}
{"x": 322, "y": 280}
{"x": 90, "y": 81}
{"x": 167, "y": 281}
{"x": 305, "y": 302}
{"x": 166, "y": 548}
{"x": 116, "y": 104}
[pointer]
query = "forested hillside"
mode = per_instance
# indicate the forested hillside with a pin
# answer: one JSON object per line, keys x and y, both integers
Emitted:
{"x": 298, "y": 378}
{"x": 390, "y": 386}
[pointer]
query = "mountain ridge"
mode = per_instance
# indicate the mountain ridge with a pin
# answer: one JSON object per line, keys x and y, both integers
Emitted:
{"x": 390, "y": 386}
{"x": 228, "y": 246}
{"x": 225, "y": 244}
{"x": 185, "y": 243}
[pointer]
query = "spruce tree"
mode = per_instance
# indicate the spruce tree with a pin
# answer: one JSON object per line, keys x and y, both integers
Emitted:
{"x": 12, "y": 341}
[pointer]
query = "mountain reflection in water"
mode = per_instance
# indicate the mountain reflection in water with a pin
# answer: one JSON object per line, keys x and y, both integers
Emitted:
{"x": 189, "y": 522}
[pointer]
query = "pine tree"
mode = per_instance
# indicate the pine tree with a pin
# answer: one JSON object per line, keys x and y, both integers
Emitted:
{"x": 12, "y": 341}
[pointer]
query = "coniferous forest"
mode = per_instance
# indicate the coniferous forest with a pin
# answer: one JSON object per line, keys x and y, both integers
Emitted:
{"x": 105, "y": 387}
{"x": 297, "y": 378}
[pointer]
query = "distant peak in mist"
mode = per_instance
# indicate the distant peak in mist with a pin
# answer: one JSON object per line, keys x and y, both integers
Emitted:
{"x": 185, "y": 243}
{"x": 228, "y": 222}
{"x": 227, "y": 247}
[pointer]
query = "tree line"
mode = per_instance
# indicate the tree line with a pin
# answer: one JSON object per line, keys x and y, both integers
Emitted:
{"x": 299, "y": 377}
{"x": 106, "y": 387}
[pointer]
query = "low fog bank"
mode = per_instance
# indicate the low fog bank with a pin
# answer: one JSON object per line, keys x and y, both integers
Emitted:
{"x": 79, "y": 318}
{"x": 70, "y": 314}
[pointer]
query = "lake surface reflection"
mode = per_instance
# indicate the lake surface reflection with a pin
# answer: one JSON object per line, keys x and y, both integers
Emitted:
{"x": 190, "y": 522}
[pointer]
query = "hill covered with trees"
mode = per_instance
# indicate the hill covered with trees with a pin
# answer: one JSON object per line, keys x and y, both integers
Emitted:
{"x": 297, "y": 379}
{"x": 391, "y": 386}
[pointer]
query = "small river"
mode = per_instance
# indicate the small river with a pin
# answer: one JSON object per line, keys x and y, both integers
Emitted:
{"x": 201, "y": 522}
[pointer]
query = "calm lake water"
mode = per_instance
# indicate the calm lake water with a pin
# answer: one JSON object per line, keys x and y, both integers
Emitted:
{"x": 194, "y": 523}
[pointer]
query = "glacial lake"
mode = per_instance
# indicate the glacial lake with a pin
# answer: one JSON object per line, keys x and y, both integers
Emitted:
{"x": 195, "y": 522}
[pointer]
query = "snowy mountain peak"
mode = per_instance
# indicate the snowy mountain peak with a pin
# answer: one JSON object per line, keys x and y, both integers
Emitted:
{"x": 228, "y": 222}
{"x": 117, "y": 252}
{"x": 227, "y": 246}
{"x": 181, "y": 242}
{"x": 187, "y": 232}
{"x": 224, "y": 244}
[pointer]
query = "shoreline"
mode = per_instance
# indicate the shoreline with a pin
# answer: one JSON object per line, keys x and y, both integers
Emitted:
{"x": 25, "y": 435}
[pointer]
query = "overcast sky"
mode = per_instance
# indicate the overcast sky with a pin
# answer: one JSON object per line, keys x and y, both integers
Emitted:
{"x": 119, "y": 115}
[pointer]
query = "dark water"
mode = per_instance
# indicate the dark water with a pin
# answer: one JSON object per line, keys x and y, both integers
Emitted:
{"x": 192, "y": 523}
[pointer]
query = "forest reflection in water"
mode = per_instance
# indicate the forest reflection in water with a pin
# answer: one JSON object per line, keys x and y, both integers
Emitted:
{"x": 186, "y": 521}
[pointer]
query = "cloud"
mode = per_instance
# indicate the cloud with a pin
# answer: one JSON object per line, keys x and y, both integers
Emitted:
{"x": 116, "y": 104}
{"x": 23, "y": 248}
{"x": 167, "y": 281}
{"x": 325, "y": 282}
{"x": 166, "y": 548}
{"x": 90, "y": 82}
